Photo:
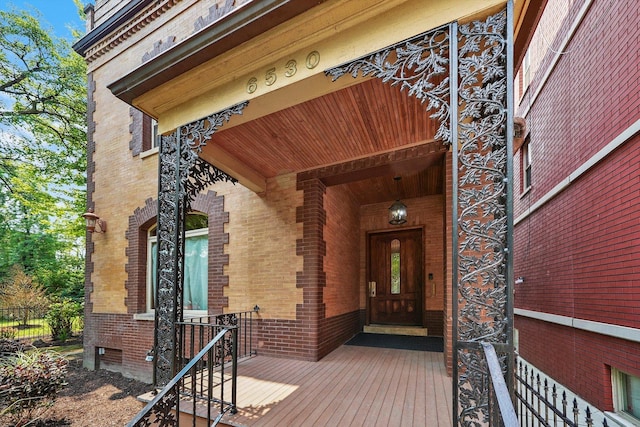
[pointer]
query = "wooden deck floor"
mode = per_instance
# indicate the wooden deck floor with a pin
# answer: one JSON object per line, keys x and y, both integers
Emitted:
{"x": 353, "y": 386}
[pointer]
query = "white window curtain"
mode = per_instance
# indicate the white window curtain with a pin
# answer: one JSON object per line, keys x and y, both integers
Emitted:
{"x": 196, "y": 249}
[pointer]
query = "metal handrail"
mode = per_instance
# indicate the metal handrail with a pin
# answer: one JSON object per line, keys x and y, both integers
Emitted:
{"x": 499, "y": 386}
{"x": 161, "y": 409}
{"x": 197, "y": 331}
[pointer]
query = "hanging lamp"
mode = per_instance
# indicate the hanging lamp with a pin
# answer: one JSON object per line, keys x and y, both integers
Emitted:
{"x": 398, "y": 210}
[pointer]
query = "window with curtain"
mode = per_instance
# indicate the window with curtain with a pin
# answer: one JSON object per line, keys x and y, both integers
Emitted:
{"x": 626, "y": 395}
{"x": 196, "y": 254}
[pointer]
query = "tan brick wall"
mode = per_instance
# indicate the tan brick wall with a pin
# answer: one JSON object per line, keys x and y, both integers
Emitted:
{"x": 177, "y": 21}
{"x": 425, "y": 211}
{"x": 341, "y": 294}
{"x": 122, "y": 183}
{"x": 262, "y": 248}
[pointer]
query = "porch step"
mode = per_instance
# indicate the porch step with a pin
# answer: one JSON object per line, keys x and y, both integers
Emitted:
{"x": 417, "y": 331}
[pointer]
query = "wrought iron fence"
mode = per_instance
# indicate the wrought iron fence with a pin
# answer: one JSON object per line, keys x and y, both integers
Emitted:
{"x": 28, "y": 324}
{"x": 198, "y": 331}
{"x": 539, "y": 401}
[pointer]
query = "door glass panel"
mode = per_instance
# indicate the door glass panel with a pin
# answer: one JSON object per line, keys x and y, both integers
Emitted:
{"x": 395, "y": 266}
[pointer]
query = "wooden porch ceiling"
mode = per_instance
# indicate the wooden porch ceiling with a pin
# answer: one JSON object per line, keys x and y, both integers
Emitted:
{"x": 354, "y": 123}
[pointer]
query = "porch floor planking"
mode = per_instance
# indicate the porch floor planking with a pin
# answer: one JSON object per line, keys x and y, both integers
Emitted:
{"x": 365, "y": 379}
{"x": 352, "y": 386}
{"x": 307, "y": 406}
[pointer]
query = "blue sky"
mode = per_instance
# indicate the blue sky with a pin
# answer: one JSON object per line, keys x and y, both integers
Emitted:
{"x": 57, "y": 14}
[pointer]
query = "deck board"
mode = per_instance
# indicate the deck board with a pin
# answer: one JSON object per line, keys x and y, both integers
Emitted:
{"x": 352, "y": 386}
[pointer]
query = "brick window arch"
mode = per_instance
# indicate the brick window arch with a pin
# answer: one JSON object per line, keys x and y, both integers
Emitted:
{"x": 137, "y": 233}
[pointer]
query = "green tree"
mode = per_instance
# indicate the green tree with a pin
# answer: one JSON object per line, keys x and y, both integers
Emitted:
{"x": 42, "y": 160}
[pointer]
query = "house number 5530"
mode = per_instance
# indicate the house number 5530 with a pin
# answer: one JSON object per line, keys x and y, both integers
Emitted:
{"x": 289, "y": 70}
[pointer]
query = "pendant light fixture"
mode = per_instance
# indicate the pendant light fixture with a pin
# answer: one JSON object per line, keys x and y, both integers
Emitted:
{"x": 398, "y": 210}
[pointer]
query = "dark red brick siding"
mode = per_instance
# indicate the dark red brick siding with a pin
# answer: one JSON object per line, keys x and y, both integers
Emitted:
{"x": 579, "y": 253}
{"x": 133, "y": 338}
{"x": 337, "y": 330}
{"x": 591, "y": 96}
{"x": 578, "y": 359}
{"x": 435, "y": 322}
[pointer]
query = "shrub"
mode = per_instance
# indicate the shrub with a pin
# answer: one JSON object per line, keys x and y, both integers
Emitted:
{"x": 8, "y": 333}
{"x": 29, "y": 384}
{"x": 9, "y": 347}
{"x": 21, "y": 292}
{"x": 60, "y": 318}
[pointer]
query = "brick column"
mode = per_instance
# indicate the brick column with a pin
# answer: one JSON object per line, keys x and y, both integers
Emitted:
{"x": 312, "y": 247}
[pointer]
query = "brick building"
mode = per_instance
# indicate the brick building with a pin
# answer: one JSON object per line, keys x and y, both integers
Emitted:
{"x": 577, "y": 222}
{"x": 325, "y": 113}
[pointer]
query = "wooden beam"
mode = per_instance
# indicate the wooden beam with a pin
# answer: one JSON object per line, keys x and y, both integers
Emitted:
{"x": 224, "y": 161}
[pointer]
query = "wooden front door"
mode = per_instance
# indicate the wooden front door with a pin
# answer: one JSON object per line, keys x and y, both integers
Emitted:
{"x": 395, "y": 278}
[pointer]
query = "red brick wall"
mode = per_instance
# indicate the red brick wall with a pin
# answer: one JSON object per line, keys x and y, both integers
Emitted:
{"x": 579, "y": 253}
{"x": 119, "y": 332}
{"x": 341, "y": 294}
{"x": 580, "y": 360}
{"x": 590, "y": 97}
{"x": 335, "y": 331}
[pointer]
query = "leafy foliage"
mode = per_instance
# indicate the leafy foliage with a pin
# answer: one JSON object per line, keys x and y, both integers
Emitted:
{"x": 42, "y": 161}
{"x": 60, "y": 318}
{"x": 29, "y": 384}
{"x": 22, "y": 293}
{"x": 8, "y": 333}
{"x": 9, "y": 347}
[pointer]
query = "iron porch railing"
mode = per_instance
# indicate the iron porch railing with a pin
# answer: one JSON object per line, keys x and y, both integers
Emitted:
{"x": 191, "y": 390}
{"x": 539, "y": 403}
{"x": 196, "y": 332}
{"x": 209, "y": 345}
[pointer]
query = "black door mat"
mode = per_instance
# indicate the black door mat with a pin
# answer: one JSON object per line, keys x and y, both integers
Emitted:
{"x": 400, "y": 342}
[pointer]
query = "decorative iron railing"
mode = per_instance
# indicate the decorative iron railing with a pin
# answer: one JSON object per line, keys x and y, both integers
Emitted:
{"x": 536, "y": 399}
{"x": 541, "y": 403}
{"x": 191, "y": 390}
{"x": 208, "y": 346}
{"x": 196, "y": 332}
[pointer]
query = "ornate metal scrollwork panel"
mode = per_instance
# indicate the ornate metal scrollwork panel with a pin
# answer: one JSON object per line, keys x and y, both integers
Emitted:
{"x": 477, "y": 79}
{"x": 482, "y": 291}
{"x": 183, "y": 174}
{"x": 162, "y": 414}
{"x": 419, "y": 65}
{"x": 169, "y": 265}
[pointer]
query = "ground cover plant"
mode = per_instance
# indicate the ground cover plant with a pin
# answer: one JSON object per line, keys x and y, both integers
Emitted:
{"x": 30, "y": 380}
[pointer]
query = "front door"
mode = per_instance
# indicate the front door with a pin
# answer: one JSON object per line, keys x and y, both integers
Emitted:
{"x": 395, "y": 277}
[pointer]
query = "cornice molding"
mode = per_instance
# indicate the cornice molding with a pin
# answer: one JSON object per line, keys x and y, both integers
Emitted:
{"x": 123, "y": 24}
{"x": 228, "y": 31}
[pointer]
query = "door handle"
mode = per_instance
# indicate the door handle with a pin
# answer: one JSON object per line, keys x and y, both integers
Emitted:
{"x": 372, "y": 289}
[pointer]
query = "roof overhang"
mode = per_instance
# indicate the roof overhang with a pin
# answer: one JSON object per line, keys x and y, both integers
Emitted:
{"x": 240, "y": 26}
{"x": 153, "y": 86}
{"x": 230, "y": 31}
